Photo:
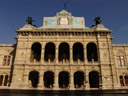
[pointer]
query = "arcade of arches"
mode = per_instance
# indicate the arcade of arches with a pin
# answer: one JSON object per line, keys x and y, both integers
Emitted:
{"x": 64, "y": 79}
{"x": 63, "y": 52}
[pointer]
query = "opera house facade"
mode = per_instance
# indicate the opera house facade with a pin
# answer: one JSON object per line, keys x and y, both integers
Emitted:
{"x": 63, "y": 54}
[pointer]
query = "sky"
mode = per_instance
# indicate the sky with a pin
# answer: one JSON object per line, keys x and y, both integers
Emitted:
{"x": 113, "y": 13}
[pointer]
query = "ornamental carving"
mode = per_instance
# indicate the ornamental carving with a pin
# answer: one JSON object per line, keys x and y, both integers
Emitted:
{"x": 104, "y": 55}
{"x": 103, "y": 44}
{"x": 22, "y": 52}
{"x": 120, "y": 52}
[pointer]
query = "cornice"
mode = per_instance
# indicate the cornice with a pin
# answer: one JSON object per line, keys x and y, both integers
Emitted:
{"x": 51, "y": 32}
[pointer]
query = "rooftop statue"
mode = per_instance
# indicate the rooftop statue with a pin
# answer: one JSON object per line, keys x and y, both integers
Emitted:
{"x": 97, "y": 20}
{"x": 29, "y": 20}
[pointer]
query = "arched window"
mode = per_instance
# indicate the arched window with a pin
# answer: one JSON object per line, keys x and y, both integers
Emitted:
{"x": 94, "y": 79}
{"x": 78, "y": 52}
{"x": 33, "y": 79}
{"x": 78, "y": 79}
{"x": 49, "y": 52}
{"x": 63, "y": 79}
{"x": 1, "y": 80}
{"x": 36, "y": 52}
{"x": 121, "y": 81}
{"x": 48, "y": 79}
{"x": 126, "y": 80}
{"x": 64, "y": 52}
{"x": 92, "y": 52}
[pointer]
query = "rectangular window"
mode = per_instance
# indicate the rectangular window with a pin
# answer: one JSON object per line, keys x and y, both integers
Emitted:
{"x": 7, "y": 60}
{"x": 120, "y": 60}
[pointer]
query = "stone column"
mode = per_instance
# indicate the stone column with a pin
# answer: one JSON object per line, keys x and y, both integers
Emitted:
{"x": 85, "y": 54}
{"x": 56, "y": 54}
{"x": 41, "y": 81}
{"x": 71, "y": 54}
{"x": 56, "y": 83}
{"x": 71, "y": 82}
{"x": 42, "y": 53}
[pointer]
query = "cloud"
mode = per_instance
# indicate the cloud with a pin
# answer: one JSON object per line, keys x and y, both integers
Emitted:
{"x": 124, "y": 28}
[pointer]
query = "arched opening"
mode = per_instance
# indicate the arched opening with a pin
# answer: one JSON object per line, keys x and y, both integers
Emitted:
{"x": 33, "y": 79}
{"x": 36, "y": 52}
{"x": 48, "y": 79}
{"x": 49, "y": 52}
{"x": 64, "y": 52}
{"x": 63, "y": 79}
{"x": 6, "y": 80}
{"x": 78, "y": 79}
{"x": 78, "y": 52}
{"x": 126, "y": 80}
{"x": 94, "y": 79}
{"x": 1, "y": 80}
{"x": 92, "y": 52}
{"x": 121, "y": 81}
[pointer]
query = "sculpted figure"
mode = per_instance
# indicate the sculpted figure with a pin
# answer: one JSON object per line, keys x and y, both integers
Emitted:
{"x": 29, "y": 20}
{"x": 97, "y": 20}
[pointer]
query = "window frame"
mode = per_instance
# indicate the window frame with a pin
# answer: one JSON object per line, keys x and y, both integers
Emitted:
{"x": 120, "y": 60}
{"x": 6, "y": 60}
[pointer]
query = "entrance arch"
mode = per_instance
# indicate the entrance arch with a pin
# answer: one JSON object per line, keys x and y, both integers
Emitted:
{"x": 33, "y": 79}
{"x": 63, "y": 79}
{"x": 48, "y": 79}
{"x": 78, "y": 79}
{"x": 94, "y": 79}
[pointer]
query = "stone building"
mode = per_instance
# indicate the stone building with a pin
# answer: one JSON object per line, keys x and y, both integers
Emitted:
{"x": 64, "y": 54}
